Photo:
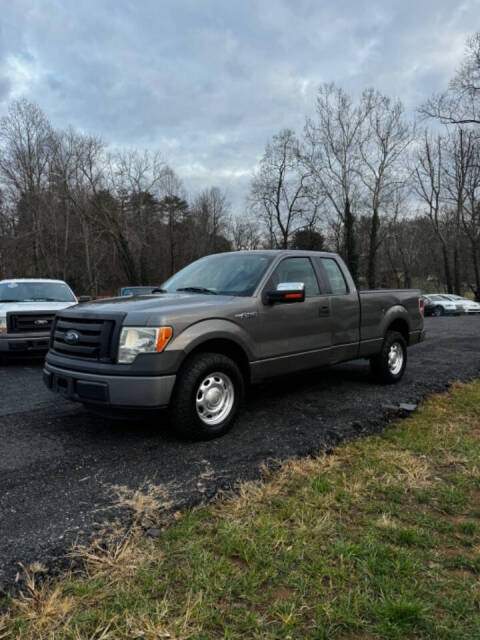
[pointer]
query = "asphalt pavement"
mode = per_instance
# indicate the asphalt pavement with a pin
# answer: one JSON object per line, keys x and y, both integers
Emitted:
{"x": 58, "y": 463}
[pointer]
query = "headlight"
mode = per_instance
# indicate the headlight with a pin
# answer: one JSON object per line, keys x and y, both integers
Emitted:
{"x": 135, "y": 340}
{"x": 3, "y": 325}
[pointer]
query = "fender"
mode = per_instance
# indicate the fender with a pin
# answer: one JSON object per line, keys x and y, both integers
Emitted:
{"x": 371, "y": 346}
{"x": 212, "y": 329}
{"x": 396, "y": 313}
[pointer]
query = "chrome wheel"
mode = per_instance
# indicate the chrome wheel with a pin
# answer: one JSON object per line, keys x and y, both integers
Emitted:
{"x": 215, "y": 398}
{"x": 395, "y": 358}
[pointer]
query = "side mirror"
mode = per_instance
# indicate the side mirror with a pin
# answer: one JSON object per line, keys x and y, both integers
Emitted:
{"x": 83, "y": 299}
{"x": 287, "y": 292}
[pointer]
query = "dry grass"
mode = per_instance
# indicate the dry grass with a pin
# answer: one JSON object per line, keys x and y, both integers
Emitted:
{"x": 148, "y": 501}
{"x": 405, "y": 468}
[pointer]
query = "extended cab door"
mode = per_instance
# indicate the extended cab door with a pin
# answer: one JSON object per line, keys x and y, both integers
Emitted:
{"x": 294, "y": 335}
{"x": 344, "y": 308}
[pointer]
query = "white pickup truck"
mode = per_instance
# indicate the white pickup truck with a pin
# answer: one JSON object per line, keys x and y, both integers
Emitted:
{"x": 27, "y": 309}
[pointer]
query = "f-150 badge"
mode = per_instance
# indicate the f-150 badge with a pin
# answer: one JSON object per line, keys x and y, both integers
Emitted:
{"x": 245, "y": 315}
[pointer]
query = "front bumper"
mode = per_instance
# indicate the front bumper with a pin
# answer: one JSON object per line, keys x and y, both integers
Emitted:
{"x": 147, "y": 392}
{"x": 24, "y": 342}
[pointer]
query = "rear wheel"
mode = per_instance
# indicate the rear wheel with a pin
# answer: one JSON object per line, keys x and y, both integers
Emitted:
{"x": 438, "y": 311}
{"x": 389, "y": 365}
{"x": 207, "y": 396}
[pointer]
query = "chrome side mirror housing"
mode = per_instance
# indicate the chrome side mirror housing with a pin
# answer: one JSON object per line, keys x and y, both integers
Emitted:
{"x": 287, "y": 292}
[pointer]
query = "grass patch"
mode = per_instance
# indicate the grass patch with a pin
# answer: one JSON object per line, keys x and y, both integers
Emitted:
{"x": 379, "y": 540}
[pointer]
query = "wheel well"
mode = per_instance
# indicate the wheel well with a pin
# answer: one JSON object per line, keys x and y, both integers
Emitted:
{"x": 401, "y": 326}
{"x": 227, "y": 348}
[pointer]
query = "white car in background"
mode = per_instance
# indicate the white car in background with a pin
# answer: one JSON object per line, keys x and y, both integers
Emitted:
{"x": 436, "y": 304}
{"x": 469, "y": 306}
{"x": 27, "y": 310}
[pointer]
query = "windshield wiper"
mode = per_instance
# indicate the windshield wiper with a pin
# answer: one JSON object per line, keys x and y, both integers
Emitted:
{"x": 10, "y": 301}
{"x": 197, "y": 290}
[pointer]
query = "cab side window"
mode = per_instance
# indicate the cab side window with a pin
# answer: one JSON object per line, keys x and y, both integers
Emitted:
{"x": 295, "y": 270}
{"x": 335, "y": 277}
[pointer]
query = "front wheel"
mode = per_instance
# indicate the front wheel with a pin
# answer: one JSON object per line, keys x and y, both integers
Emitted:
{"x": 438, "y": 311}
{"x": 389, "y": 365}
{"x": 207, "y": 396}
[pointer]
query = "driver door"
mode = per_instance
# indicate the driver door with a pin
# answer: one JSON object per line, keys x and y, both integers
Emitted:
{"x": 295, "y": 335}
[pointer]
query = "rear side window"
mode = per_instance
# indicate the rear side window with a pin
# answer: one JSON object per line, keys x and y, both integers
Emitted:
{"x": 334, "y": 274}
{"x": 295, "y": 270}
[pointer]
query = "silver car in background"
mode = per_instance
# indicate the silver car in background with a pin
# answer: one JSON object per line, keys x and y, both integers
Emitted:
{"x": 438, "y": 304}
{"x": 468, "y": 306}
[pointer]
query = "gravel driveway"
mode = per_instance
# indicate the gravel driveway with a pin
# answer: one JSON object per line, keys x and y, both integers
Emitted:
{"x": 57, "y": 461}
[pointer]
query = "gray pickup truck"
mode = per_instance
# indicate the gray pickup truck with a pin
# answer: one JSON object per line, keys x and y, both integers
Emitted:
{"x": 221, "y": 323}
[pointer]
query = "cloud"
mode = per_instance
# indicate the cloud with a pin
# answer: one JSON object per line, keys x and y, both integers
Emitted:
{"x": 208, "y": 83}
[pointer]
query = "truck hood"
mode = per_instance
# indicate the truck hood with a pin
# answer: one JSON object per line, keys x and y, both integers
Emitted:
{"x": 171, "y": 308}
{"x": 164, "y": 302}
{"x": 9, "y": 307}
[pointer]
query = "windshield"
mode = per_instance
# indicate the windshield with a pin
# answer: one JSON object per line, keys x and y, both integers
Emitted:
{"x": 35, "y": 292}
{"x": 234, "y": 274}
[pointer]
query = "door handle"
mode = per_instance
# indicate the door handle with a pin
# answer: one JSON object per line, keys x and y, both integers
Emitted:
{"x": 324, "y": 310}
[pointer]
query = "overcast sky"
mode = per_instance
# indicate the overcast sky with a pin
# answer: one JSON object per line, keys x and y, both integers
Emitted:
{"x": 207, "y": 82}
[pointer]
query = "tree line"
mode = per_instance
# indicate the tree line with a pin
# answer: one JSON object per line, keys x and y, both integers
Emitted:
{"x": 398, "y": 199}
{"x": 72, "y": 209}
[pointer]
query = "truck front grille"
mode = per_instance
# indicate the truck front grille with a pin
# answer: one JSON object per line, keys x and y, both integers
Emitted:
{"x": 86, "y": 337}
{"x": 33, "y": 322}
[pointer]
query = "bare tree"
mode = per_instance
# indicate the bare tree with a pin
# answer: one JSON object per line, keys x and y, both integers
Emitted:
{"x": 7, "y": 234}
{"x": 383, "y": 170}
{"x": 280, "y": 189}
{"x": 471, "y": 222}
{"x": 211, "y": 210}
{"x": 459, "y": 157}
{"x": 174, "y": 210}
{"x": 25, "y": 152}
{"x": 430, "y": 187}
{"x": 245, "y": 233}
{"x": 332, "y": 156}
{"x": 405, "y": 241}
{"x": 83, "y": 180}
{"x": 463, "y": 188}
{"x": 138, "y": 181}
{"x": 460, "y": 104}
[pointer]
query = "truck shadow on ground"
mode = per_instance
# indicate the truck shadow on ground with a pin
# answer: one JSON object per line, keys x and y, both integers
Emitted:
{"x": 322, "y": 379}
{"x": 271, "y": 395}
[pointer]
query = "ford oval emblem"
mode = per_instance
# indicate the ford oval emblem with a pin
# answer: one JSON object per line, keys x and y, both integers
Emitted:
{"x": 71, "y": 337}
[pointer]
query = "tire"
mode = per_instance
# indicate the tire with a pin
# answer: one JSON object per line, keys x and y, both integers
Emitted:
{"x": 389, "y": 365}
{"x": 206, "y": 397}
{"x": 438, "y": 311}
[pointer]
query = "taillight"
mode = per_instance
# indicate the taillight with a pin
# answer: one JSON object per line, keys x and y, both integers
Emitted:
{"x": 421, "y": 305}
